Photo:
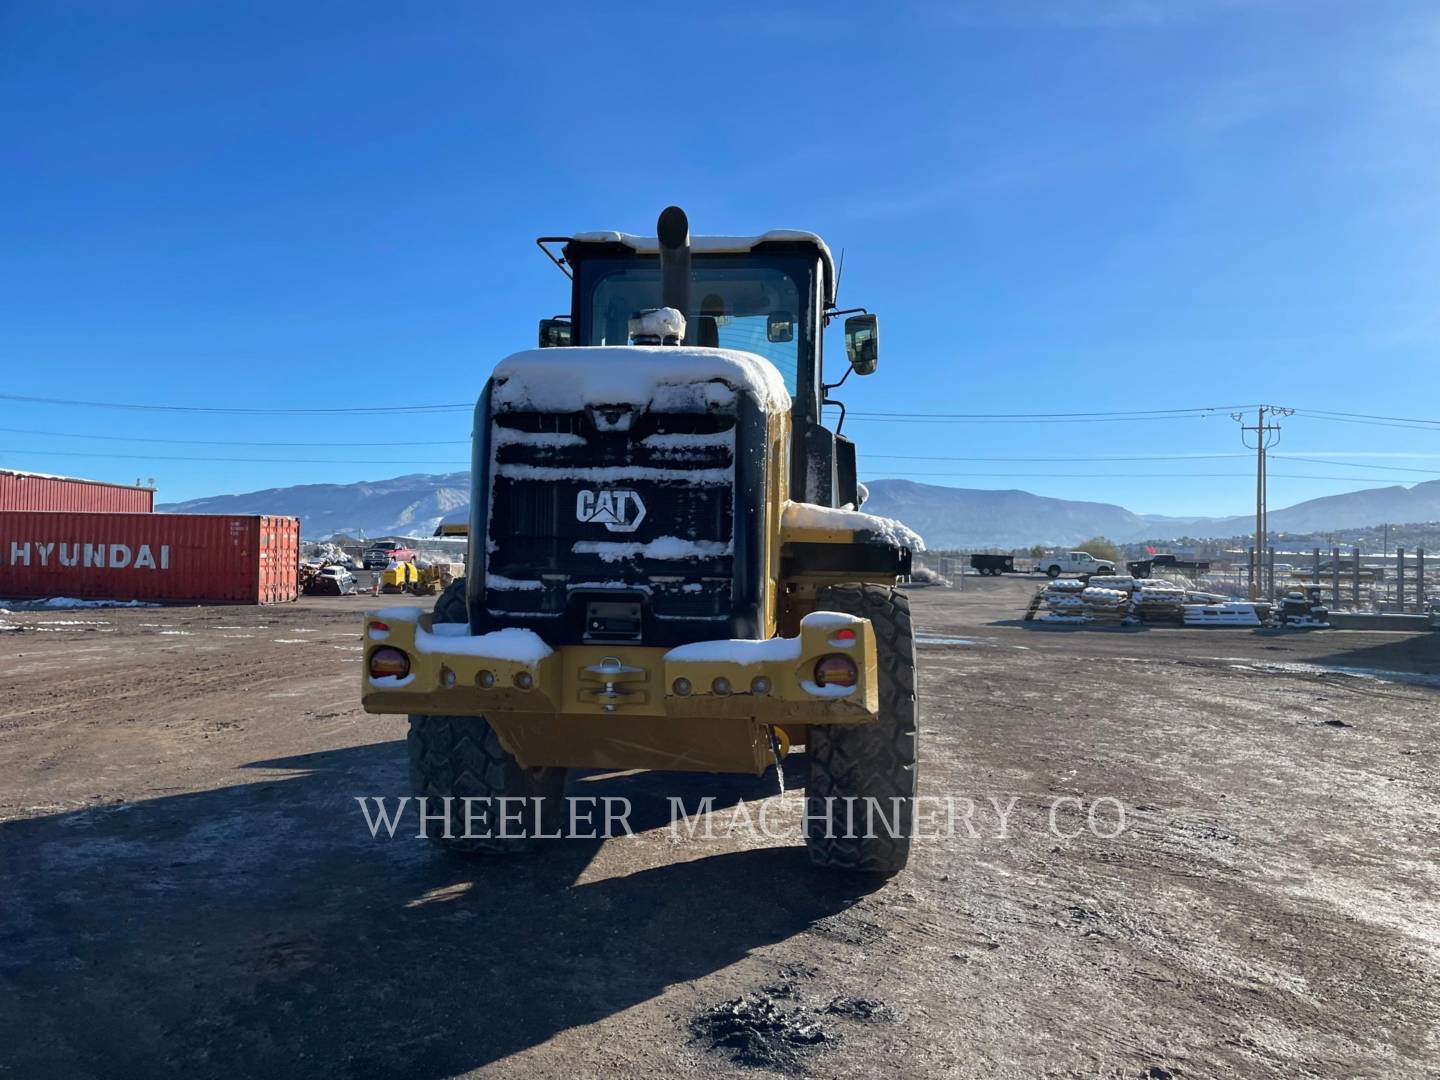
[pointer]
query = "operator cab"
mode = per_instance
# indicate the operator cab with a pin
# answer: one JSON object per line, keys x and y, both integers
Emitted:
{"x": 771, "y": 295}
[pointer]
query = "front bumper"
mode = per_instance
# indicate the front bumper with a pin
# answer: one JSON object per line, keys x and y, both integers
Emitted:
{"x": 703, "y": 706}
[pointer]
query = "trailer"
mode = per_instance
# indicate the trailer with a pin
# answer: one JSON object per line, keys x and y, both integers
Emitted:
{"x": 993, "y": 564}
{"x": 1144, "y": 568}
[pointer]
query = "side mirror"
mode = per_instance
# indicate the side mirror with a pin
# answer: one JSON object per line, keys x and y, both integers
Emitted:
{"x": 862, "y": 343}
{"x": 554, "y": 333}
{"x": 780, "y": 326}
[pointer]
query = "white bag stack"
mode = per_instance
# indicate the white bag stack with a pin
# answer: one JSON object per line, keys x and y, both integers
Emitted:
{"x": 1108, "y": 606}
{"x": 1061, "y": 601}
{"x": 1159, "y": 602}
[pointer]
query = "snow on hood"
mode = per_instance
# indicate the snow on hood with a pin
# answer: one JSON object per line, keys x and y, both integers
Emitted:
{"x": 569, "y": 379}
{"x": 809, "y": 516}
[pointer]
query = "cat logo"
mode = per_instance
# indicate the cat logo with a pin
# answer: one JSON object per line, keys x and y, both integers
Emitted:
{"x": 619, "y": 511}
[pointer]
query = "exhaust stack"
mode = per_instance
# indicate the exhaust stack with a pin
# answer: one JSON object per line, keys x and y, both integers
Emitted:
{"x": 673, "y": 232}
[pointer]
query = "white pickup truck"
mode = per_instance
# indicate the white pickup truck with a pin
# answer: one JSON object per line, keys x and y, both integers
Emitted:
{"x": 1073, "y": 562}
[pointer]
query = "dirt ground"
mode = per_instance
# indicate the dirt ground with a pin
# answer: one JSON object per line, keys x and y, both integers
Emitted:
{"x": 188, "y": 888}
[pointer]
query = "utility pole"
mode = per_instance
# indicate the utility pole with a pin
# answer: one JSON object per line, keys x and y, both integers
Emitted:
{"x": 1266, "y": 436}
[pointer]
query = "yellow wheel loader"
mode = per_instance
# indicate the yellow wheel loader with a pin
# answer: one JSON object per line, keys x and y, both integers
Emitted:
{"x": 668, "y": 568}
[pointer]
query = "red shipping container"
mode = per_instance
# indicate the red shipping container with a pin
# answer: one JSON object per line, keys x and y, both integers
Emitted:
{"x": 195, "y": 558}
{"x": 36, "y": 491}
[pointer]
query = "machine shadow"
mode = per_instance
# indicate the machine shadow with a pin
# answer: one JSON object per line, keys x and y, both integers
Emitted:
{"x": 1417, "y": 654}
{"x": 260, "y": 929}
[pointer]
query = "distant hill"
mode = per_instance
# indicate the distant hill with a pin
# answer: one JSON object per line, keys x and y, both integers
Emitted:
{"x": 947, "y": 517}
{"x": 406, "y": 505}
{"x": 1357, "y": 509}
{"x": 976, "y": 518}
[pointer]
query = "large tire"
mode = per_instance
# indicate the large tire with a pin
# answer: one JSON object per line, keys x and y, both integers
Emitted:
{"x": 868, "y": 761}
{"x": 452, "y": 605}
{"x": 1053, "y": 572}
{"x": 460, "y": 758}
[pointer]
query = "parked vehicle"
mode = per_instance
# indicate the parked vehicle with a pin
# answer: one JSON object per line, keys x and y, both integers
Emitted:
{"x": 399, "y": 577}
{"x": 434, "y": 578}
{"x": 1171, "y": 562}
{"x": 993, "y": 564}
{"x": 1144, "y": 568}
{"x": 333, "y": 580}
{"x": 1074, "y": 562}
{"x": 383, "y": 552}
{"x": 623, "y": 599}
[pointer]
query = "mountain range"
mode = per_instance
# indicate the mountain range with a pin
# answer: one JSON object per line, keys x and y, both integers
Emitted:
{"x": 404, "y": 505}
{"x": 947, "y": 517}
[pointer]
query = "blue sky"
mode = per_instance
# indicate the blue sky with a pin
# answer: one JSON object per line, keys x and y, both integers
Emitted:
{"x": 1054, "y": 207}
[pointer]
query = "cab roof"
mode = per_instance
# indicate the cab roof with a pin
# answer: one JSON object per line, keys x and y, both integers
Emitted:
{"x": 719, "y": 245}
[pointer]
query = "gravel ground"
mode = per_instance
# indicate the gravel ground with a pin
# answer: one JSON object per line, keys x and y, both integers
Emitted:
{"x": 1219, "y": 860}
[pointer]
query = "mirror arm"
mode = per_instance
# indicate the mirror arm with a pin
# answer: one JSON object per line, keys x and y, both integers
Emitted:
{"x": 825, "y": 387}
{"x": 828, "y": 400}
{"x": 558, "y": 260}
{"x": 835, "y": 313}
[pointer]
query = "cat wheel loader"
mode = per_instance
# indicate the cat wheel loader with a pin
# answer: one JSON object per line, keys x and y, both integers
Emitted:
{"x": 668, "y": 567}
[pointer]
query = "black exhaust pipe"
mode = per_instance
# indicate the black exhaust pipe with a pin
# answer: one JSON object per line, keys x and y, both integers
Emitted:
{"x": 673, "y": 232}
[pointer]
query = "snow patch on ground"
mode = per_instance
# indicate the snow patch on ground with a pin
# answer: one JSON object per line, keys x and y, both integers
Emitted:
{"x": 69, "y": 603}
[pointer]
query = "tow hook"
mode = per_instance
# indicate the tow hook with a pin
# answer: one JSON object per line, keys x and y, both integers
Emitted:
{"x": 611, "y": 673}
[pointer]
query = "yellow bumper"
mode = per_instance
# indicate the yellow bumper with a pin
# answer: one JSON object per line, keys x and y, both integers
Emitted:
{"x": 706, "y": 706}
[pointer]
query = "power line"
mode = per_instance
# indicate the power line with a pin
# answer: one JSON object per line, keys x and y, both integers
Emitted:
{"x": 1349, "y": 465}
{"x": 465, "y": 464}
{"x": 1367, "y": 416}
{"x": 1065, "y": 415}
{"x": 1424, "y": 426}
{"x": 1079, "y": 417}
{"x": 231, "y": 442}
{"x": 924, "y": 418}
{"x": 235, "y": 460}
{"x": 1112, "y": 457}
{"x": 333, "y": 444}
{"x": 214, "y": 409}
{"x": 1131, "y": 476}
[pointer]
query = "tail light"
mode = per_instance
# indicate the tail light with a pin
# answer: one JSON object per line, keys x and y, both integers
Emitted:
{"x": 835, "y": 670}
{"x": 389, "y": 662}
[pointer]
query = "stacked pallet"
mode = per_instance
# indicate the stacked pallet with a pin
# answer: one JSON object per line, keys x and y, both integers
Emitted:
{"x": 1159, "y": 602}
{"x": 1114, "y": 581}
{"x": 1107, "y": 607}
{"x": 1060, "y": 602}
{"x": 1228, "y": 613}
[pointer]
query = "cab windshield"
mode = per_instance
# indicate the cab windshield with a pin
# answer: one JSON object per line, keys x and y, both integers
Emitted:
{"x": 738, "y": 303}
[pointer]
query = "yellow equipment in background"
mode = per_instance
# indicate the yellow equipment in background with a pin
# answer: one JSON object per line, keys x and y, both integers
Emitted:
{"x": 401, "y": 577}
{"x": 435, "y": 578}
